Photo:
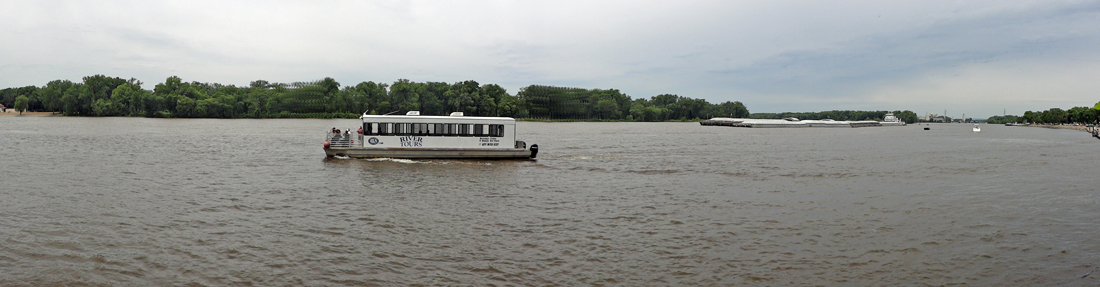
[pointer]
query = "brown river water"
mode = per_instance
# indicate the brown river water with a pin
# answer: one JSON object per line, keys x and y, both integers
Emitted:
{"x": 210, "y": 202}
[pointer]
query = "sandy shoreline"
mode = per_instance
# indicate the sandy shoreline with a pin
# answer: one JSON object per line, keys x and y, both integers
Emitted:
{"x": 11, "y": 113}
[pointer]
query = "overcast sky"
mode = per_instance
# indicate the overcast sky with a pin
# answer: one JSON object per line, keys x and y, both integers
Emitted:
{"x": 972, "y": 57}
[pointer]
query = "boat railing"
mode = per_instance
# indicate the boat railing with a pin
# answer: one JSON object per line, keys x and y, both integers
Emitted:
{"x": 343, "y": 140}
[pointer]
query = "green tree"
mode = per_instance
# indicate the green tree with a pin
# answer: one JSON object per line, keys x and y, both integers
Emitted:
{"x": 731, "y": 109}
{"x": 171, "y": 85}
{"x": 95, "y": 88}
{"x": 1096, "y": 113}
{"x": 637, "y": 110}
{"x": 405, "y": 95}
{"x": 104, "y": 107}
{"x": 8, "y": 96}
{"x": 51, "y": 94}
{"x": 490, "y": 97}
{"x": 129, "y": 99}
{"x": 431, "y": 98}
{"x": 1054, "y": 115}
{"x": 21, "y": 104}
{"x": 508, "y": 107}
{"x": 185, "y": 107}
{"x": 1005, "y": 119}
{"x": 607, "y": 109}
{"x": 906, "y": 116}
{"x": 1079, "y": 115}
{"x": 376, "y": 97}
{"x": 1031, "y": 117}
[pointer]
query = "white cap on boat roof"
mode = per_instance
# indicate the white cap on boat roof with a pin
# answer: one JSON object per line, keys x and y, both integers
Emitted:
{"x": 413, "y": 113}
{"x": 456, "y": 114}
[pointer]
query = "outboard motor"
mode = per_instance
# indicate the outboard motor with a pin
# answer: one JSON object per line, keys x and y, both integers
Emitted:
{"x": 534, "y": 150}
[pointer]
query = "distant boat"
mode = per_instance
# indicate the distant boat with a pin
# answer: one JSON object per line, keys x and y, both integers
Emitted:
{"x": 792, "y": 122}
{"x": 977, "y": 128}
{"x": 891, "y": 120}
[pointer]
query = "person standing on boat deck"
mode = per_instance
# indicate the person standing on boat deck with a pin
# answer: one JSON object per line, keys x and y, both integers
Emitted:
{"x": 360, "y": 131}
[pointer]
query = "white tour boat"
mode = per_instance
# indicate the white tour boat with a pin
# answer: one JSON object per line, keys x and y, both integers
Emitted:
{"x": 412, "y": 136}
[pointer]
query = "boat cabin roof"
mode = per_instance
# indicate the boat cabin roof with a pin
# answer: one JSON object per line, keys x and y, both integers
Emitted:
{"x": 435, "y": 119}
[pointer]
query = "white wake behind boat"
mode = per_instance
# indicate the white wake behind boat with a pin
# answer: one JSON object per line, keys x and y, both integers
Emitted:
{"x": 977, "y": 128}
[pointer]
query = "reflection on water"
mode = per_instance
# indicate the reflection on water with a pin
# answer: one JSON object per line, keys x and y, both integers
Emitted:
{"x": 255, "y": 202}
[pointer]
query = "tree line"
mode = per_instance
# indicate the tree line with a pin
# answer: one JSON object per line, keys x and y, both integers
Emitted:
{"x": 1005, "y": 119}
{"x": 547, "y": 102}
{"x": 1060, "y": 116}
{"x": 101, "y": 95}
{"x": 905, "y": 116}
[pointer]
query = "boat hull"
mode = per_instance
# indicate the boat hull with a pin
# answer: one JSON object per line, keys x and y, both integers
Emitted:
{"x": 430, "y": 153}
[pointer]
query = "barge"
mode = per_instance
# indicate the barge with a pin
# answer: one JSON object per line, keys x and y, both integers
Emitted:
{"x": 888, "y": 120}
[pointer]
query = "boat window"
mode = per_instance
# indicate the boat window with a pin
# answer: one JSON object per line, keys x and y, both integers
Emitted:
{"x": 479, "y": 130}
{"x": 420, "y": 129}
{"x": 435, "y": 129}
{"x": 400, "y": 129}
{"x": 452, "y": 129}
{"x": 385, "y": 129}
{"x": 464, "y": 129}
{"x": 367, "y": 129}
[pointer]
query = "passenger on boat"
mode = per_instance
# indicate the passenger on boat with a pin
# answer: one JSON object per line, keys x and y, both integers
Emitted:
{"x": 360, "y": 131}
{"x": 335, "y": 133}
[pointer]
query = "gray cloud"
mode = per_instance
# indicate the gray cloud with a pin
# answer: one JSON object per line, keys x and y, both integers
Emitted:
{"x": 773, "y": 56}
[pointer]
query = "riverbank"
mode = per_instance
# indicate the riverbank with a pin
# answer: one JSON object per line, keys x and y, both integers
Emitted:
{"x": 12, "y": 113}
{"x": 1063, "y": 127}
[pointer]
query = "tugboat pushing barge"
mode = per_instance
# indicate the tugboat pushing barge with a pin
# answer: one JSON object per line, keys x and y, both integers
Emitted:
{"x": 412, "y": 136}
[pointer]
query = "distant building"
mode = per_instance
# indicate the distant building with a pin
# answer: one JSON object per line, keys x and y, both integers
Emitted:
{"x": 934, "y": 118}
